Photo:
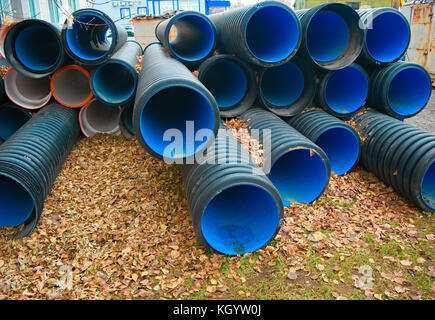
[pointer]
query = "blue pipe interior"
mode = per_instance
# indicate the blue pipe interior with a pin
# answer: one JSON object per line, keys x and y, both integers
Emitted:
{"x": 272, "y": 34}
{"x": 195, "y": 38}
{"x": 299, "y": 175}
{"x": 388, "y": 38}
{"x": 342, "y": 148}
{"x": 409, "y": 91}
{"x": 170, "y": 108}
{"x": 240, "y": 219}
{"x": 11, "y": 120}
{"x": 346, "y": 90}
{"x": 227, "y": 81}
{"x": 327, "y": 36}
{"x": 428, "y": 186}
{"x": 37, "y": 48}
{"x": 114, "y": 82}
{"x": 283, "y": 85}
{"x": 87, "y": 37}
{"x": 16, "y": 203}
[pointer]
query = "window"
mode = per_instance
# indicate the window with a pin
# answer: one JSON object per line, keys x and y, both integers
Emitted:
{"x": 72, "y": 5}
{"x": 142, "y": 10}
{"x": 125, "y": 13}
{"x": 32, "y": 10}
{"x": 54, "y": 12}
{"x": 5, "y": 8}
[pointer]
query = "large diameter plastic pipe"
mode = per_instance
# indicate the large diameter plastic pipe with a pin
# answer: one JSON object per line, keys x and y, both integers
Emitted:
{"x": 399, "y": 154}
{"x": 126, "y": 121}
{"x": 3, "y": 32}
{"x": 266, "y": 34}
{"x": 70, "y": 86}
{"x": 26, "y": 92}
{"x": 169, "y": 97}
{"x": 195, "y": 36}
{"x": 29, "y": 163}
{"x": 33, "y": 47}
{"x": 86, "y": 39}
{"x": 12, "y": 118}
{"x": 98, "y": 117}
{"x": 231, "y": 81}
{"x": 344, "y": 91}
{"x": 338, "y": 139}
{"x": 400, "y": 90}
{"x": 287, "y": 89}
{"x": 235, "y": 208}
{"x": 299, "y": 169}
{"x": 332, "y": 37}
{"x": 387, "y": 35}
{"x": 114, "y": 82}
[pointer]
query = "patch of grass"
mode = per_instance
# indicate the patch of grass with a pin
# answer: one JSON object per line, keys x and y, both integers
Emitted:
{"x": 337, "y": 203}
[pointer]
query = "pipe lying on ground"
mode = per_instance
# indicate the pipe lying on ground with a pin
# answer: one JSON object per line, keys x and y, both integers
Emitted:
{"x": 400, "y": 90}
{"x": 399, "y": 154}
{"x": 338, "y": 139}
{"x": 267, "y": 33}
{"x": 342, "y": 92}
{"x": 114, "y": 82}
{"x": 231, "y": 82}
{"x": 299, "y": 169}
{"x": 70, "y": 86}
{"x": 86, "y": 40}
{"x": 3, "y": 32}
{"x": 12, "y": 118}
{"x": 287, "y": 89}
{"x": 332, "y": 38}
{"x": 387, "y": 35}
{"x": 29, "y": 163}
{"x": 234, "y": 207}
{"x": 195, "y": 36}
{"x": 28, "y": 93}
{"x": 33, "y": 48}
{"x": 126, "y": 121}
{"x": 98, "y": 117}
{"x": 170, "y": 97}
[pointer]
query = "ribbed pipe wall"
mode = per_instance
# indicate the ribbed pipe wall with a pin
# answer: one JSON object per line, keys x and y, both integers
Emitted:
{"x": 30, "y": 161}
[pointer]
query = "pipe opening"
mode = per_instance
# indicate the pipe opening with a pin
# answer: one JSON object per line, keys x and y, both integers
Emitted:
{"x": 342, "y": 148}
{"x": 327, "y": 36}
{"x": 11, "y": 119}
{"x": 240, "y": 219}
{"x": 27, "y": 92}
{"x": 37, "y": 47}
{"x": 194, "y": 37}
{"x": 114, "y": 82}
{"x": 98, "y": 117}
{"x": 409, "y": 91}
{"x": 346, "y": 90}
{"x": 170, "y": 108}
{"x": 283, "y": 85}
{"x": 383, "y": 44}
{"x": 272, "y": 34}
{"x": 227, "y": 81}
{"x": 71, "y": 87}
{"x": 428, "y": 186}
{"x": 87, "y": 37}
{"x": 16, "y": 203}
{"x": 300, "y": 175}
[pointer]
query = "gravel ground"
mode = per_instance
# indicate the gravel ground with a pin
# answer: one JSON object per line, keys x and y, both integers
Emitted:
{"x": 426, "y": 118}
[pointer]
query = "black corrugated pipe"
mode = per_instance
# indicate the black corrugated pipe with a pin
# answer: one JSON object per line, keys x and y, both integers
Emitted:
{"x": 12, "y": 118}
{"x": 98, "y": 117}
{"x": 30, "y": 160}
{"x": 33, "y": 48}
{"x": 266, "y": 34}
{"x": 195, "y": 36}
{"x": 2, "y": 90}
{"x": 126, "y": 120}
{"x": 170, "y": 97}
{"x": 387, "y": 35}
{"x": 93, "y": 37}
{"x": 400, "y": 90}
{"x": 344, "y": 91}
{"x": 235, "y": 208}
{"x": 114, "y": 82}
{"x": 287, "y": 89}
{"x": 338, "y": 139}
{"x": 298, "y": 168}
{"x": 399, "y": 154}
{"x": 332, "y": 37}
{"x": 231, "y": 81}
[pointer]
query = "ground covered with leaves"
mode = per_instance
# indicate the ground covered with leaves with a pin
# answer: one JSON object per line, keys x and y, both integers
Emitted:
{"x": 117, "y": 226}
